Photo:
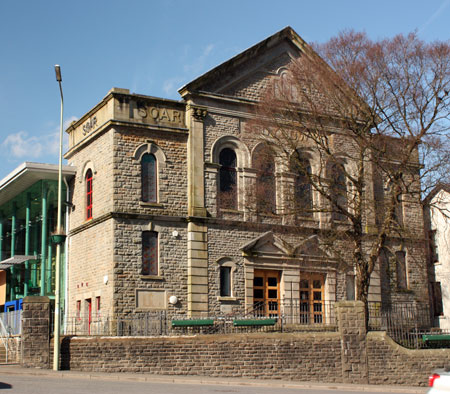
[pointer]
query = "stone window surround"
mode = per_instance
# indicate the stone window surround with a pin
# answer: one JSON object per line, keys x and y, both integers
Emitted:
{"x": 282, "y": 174}
{"x": 158, "y": 229}
{"x": 88, "y": 166}
{"x": 153, "y": 149}
{"x": 226, "y": 262}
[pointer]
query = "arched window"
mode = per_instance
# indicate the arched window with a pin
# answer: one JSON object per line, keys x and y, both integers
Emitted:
{"x": 264, "y": 163}
{"x": 150, "y": 253}
{"x": 228, "y": 179}
{"x": 302, "y": 200}
{"x": 89, "y": 195}
{"x": 338, "y": 192}
{"x": 149, "y": 178}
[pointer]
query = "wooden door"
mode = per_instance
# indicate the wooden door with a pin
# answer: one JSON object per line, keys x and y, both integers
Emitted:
{"x": 266, "y": 293}
{"x": 312, "y": 304}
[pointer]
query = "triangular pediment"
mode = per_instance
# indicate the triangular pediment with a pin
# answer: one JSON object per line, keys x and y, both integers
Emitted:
{"x": 245, "y": 71}
{"x": 311, "y": 247}
{"x": 247, "y": 75}
{"x": 267, "y": 244}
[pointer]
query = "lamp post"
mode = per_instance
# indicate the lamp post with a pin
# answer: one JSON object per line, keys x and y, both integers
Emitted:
{"x": 56, "y": 334}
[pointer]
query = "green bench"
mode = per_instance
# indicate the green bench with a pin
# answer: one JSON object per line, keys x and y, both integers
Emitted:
{"x": 254, "y": 322}
{"x": 435, "y": 337}
{"x": 193, "y": 323}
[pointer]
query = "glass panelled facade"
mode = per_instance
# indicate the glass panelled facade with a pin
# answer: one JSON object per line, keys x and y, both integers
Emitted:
{"x": 26, "y": 223}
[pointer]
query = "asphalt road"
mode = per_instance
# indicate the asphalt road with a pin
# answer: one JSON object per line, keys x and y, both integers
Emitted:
{"x": 37, "y": 384}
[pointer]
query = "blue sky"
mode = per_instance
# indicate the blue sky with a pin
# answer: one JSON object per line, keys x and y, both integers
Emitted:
{"x": 154, "y": 47}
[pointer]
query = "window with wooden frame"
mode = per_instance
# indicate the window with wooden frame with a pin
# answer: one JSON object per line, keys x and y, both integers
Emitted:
{"x": 89, "y": 194}
{"x": 150, "y": 259}
{"x": 149, "y": 178}
{"x": 227, "y": 179}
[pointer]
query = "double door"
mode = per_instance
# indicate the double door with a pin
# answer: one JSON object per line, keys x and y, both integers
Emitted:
{"x": 312, "y": 304}
{"x": 266, "y": 293}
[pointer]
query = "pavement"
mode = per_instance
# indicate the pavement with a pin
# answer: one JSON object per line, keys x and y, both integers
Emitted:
{"x": 14, "y": 369}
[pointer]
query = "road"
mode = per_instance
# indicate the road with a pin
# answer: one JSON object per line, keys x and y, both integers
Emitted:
{"x": 41, "y": 384}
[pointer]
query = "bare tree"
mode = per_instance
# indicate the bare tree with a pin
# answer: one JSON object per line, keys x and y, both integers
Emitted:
{"x": 364, "y": 129}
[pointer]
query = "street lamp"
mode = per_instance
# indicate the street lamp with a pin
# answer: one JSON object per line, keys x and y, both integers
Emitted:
{"x": 56, "y": 334}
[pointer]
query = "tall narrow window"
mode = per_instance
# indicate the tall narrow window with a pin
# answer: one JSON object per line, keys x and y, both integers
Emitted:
{"x": 228, "y": 179}
{"x": 89, "y": 190}
{"x": 436, "y": 294}
{"x": 301, "y": 168}
{"x": 338, "y": 189}
{"x": 401, "y": 270}
{"x": 225, "y": 281}
{"x": 149, "y": 253}
{"x": 149, "y": 178}
{"x": 264, "y": 163}
{"x": 98, "y": 306}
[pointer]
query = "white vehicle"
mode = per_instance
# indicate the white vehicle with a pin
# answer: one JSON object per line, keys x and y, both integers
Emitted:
{"x": 439, "y": 381}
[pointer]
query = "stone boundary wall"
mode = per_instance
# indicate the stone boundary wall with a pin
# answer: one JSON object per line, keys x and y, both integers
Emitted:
{"x": 390, "y": 363}
{"x": 346, "y": 356}
{"x": 271, "y": 356}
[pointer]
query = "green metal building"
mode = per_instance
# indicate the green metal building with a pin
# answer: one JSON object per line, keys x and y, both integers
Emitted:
{"x": 28, "y": 209}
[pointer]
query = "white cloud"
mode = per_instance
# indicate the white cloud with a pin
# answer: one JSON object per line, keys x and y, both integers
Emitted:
{"x": 23, "y": 146}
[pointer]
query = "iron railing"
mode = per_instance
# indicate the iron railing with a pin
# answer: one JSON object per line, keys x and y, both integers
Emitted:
{"x": 281, "y": 316}
{"x": 406, "y": 323}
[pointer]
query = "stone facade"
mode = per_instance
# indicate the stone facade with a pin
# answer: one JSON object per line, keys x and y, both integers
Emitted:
{"x": 209, "y": 258}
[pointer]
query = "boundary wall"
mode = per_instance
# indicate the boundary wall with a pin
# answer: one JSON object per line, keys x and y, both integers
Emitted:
{"x": 349, "y": 355}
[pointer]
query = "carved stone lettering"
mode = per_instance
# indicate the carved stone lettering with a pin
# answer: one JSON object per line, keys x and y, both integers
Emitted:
{"x": 90, "y": 125}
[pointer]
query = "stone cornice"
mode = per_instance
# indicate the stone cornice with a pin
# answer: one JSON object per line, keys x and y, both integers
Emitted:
{"x": 127, "y": 216}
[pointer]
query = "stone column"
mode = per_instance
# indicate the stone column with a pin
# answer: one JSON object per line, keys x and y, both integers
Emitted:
{"x": 36, "y": 332}
{"x": 351, "y": 323}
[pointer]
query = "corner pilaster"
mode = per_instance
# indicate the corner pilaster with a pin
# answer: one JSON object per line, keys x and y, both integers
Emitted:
{"x": 197, "y": 270}
{"x": 196, "y": 184}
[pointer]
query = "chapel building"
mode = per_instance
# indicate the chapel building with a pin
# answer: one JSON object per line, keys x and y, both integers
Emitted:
{"x": 163, "y": 217}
